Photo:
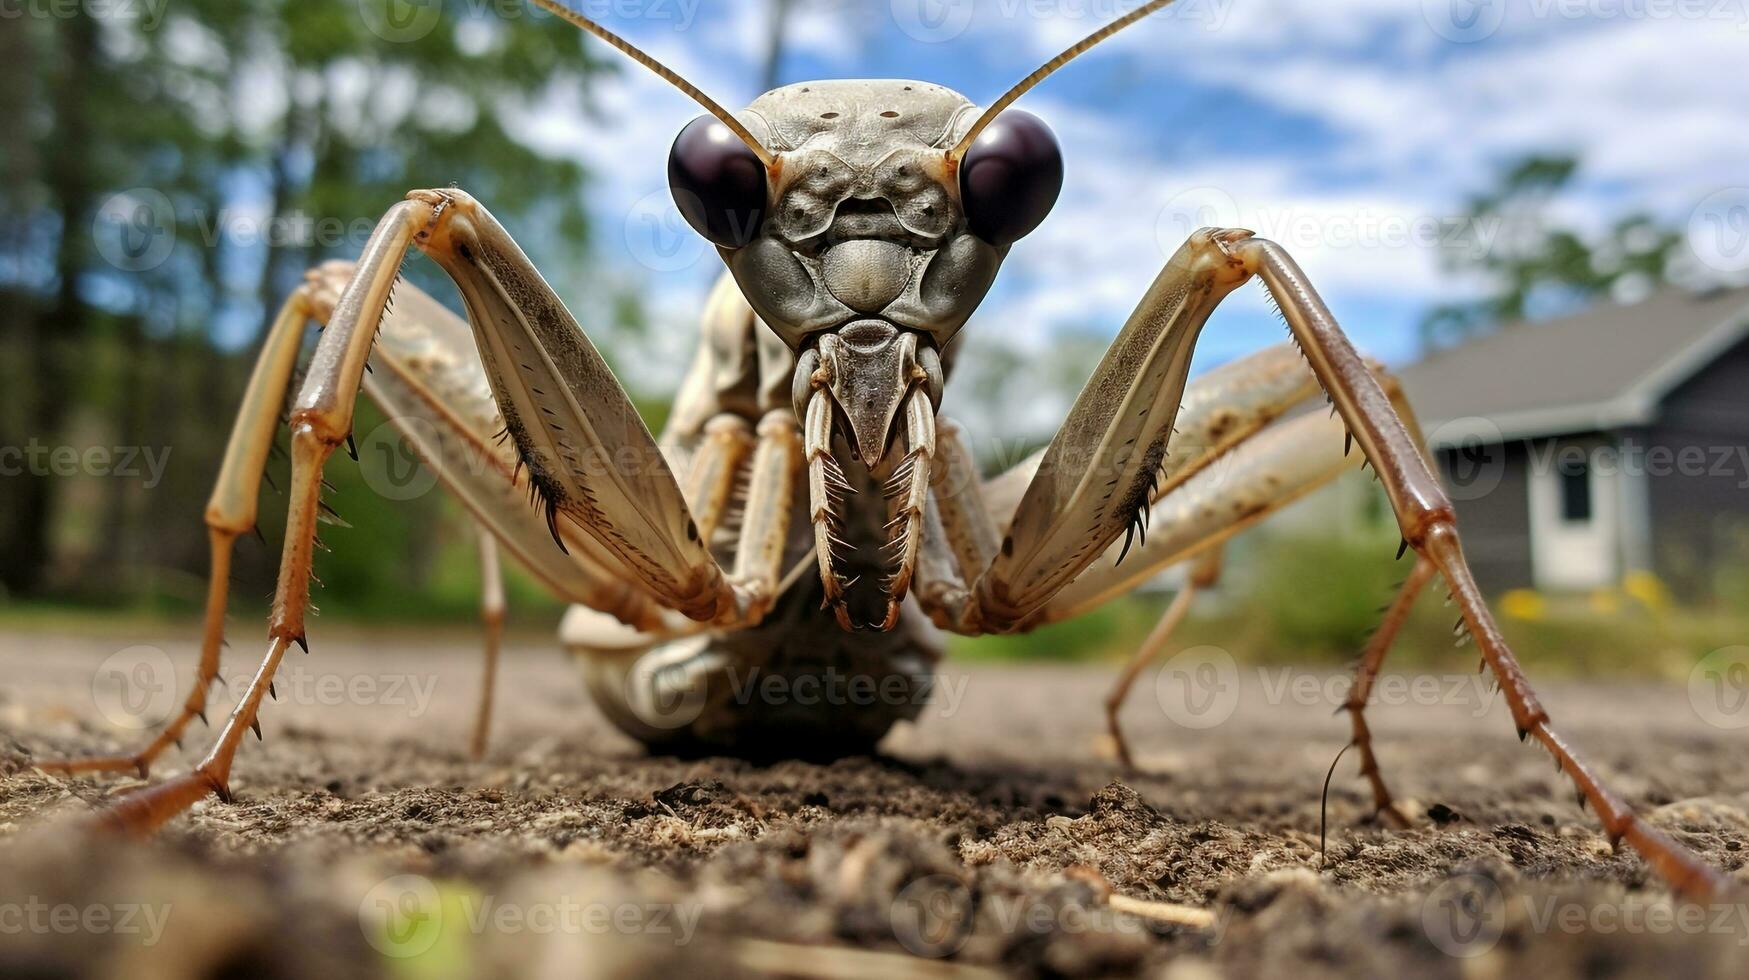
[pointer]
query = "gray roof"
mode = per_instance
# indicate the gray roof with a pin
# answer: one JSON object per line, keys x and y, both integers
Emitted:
{"x": 1606, "y": 367}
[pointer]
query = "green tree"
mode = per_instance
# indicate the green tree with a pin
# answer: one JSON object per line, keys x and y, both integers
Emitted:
{"x": 1527, "y": 259}
{"x": 256, "y": 138}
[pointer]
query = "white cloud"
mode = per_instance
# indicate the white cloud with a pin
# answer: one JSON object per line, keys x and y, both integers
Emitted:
{"x": 1411, "y": 122}
{"x": 1653, "y": 107}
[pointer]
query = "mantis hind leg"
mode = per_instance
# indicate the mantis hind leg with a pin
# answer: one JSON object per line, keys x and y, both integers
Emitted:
{"x": 230, "y": 512}
{"x": 321, "y": 419}
{"x": 430, "y": 385}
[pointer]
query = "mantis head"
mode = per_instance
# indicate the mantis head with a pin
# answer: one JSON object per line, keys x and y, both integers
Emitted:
{"x": 864, "y": 244}
{"x": 864, "y": 220}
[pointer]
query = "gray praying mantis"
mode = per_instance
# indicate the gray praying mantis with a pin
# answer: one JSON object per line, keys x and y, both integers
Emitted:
{"x": 806, "y": 507}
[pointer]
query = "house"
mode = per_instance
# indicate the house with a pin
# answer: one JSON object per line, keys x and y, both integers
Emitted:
{"x": 1615, "y": 440}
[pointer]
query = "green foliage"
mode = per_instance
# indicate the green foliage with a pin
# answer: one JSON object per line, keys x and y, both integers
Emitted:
{"x": 1109, "y": 631}
{"x": 1314, "y": 600}
{"x": 277, "y": 131}
{"x": 1319, "y": 598}
{"x": 1528, "y": 259}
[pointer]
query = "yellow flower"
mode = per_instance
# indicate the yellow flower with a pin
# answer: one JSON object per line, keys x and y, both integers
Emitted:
{"x": 1523, "y": 604}
{"x": 1647, "y": 589}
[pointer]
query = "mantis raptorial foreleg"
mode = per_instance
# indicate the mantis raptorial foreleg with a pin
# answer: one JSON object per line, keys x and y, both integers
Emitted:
{"x": 1239, "y": 488}
{"x": 525, "y": 337}
{"x": 1220, "y": 408}
{"x": 1097, "y": 475}
{"x": 1235, "y": 488}
{"x": 1230, "y": 490}
{"x": 587, "y": 451}
{"x": 966, "y": 522}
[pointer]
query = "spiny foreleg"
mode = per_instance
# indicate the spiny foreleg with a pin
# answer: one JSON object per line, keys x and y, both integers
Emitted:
{"x": 908, "y": 488}
{"x": 826, "y": 491}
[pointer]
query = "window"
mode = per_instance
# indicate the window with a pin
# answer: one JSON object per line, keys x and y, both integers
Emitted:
{"x": 1576, "y": 490}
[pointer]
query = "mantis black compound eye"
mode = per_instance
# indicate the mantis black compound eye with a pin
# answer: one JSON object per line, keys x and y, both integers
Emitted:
{"x": 1010, "y": 177}
{"x": 718, "y": 183}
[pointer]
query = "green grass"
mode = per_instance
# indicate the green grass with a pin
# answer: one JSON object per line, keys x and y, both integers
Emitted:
{"x": 1312, "y": 602}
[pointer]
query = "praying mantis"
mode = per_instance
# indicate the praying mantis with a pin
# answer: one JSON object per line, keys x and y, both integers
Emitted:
{"x": 807, "y": 506}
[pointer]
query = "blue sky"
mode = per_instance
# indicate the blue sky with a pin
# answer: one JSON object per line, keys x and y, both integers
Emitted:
{"x": 1350, "y": 130}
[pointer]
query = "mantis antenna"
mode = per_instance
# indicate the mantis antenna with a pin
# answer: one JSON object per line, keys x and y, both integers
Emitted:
{"x": 673, "y": 78}
{"x": 1024, "y": 85}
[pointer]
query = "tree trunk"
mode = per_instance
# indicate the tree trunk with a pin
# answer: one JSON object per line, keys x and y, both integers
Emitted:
{"x": 51, "y": 341}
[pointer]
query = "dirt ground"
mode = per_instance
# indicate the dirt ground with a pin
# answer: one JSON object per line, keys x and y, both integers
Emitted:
{"x": 993, "y": 835}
